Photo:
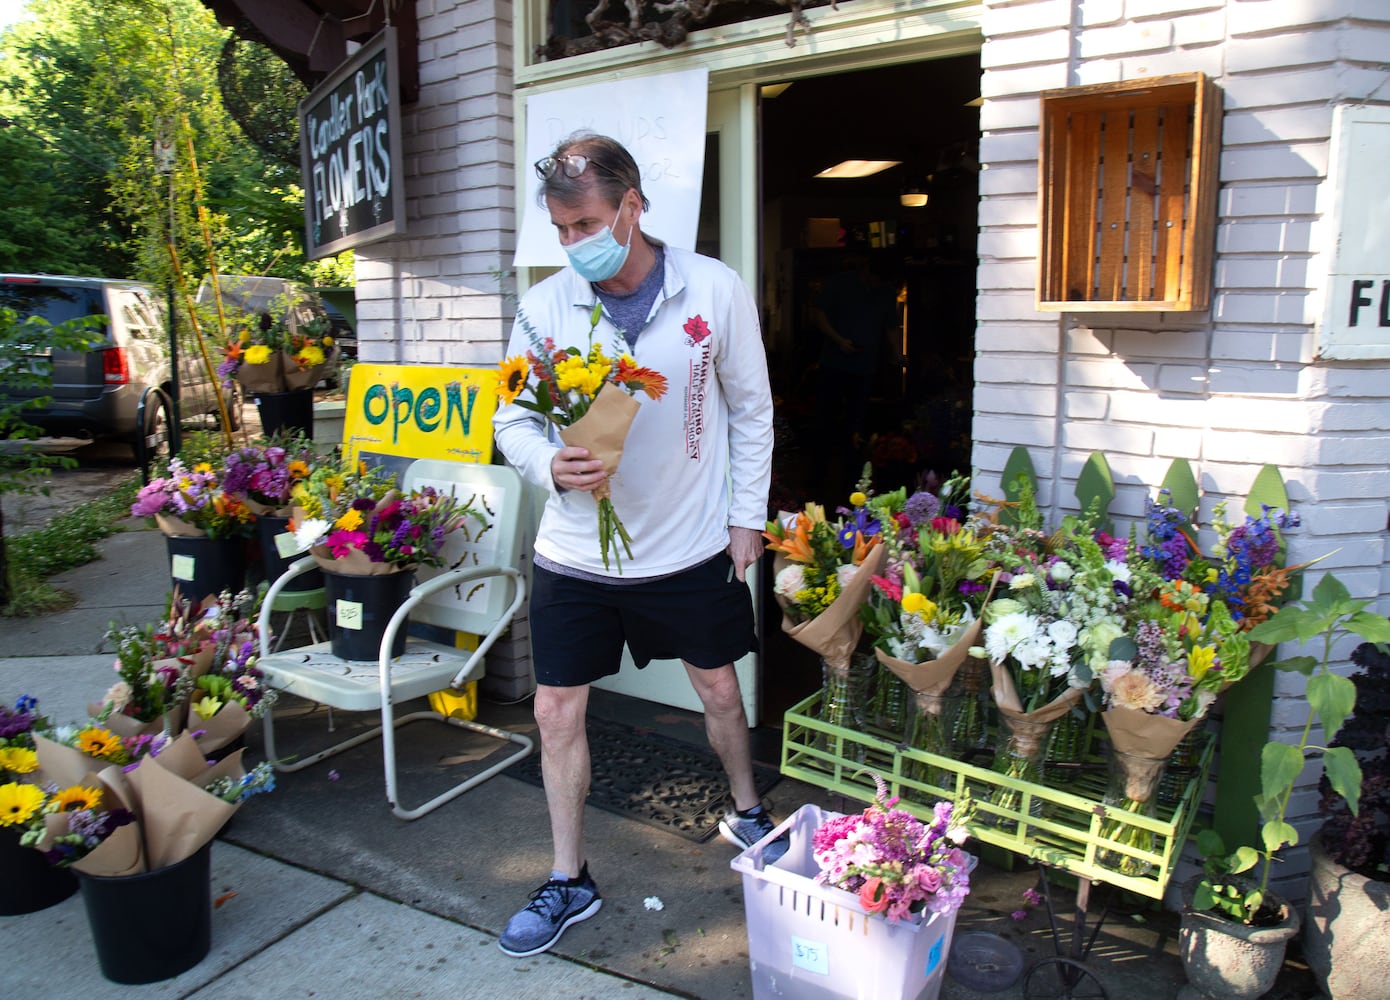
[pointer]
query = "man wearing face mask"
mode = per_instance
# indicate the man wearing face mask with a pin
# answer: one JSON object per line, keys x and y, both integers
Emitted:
{"x": 691, "y": 489}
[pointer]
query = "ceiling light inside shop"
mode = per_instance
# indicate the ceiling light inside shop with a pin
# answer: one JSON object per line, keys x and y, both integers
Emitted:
{"x": 858, "y": 168}
{"x": 775, "y": 89}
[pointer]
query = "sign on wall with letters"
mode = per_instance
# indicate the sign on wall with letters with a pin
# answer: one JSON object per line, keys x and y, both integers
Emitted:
{"x": 1355, "y": 206}
{"x": 350, "y": 152}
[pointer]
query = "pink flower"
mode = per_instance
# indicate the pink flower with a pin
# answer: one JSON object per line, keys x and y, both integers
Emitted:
{"x": 341, "y": 542}
{"x": 1019, "y": 914}
{"x": 874, "y": 896}
{"x": 891, "y": 590}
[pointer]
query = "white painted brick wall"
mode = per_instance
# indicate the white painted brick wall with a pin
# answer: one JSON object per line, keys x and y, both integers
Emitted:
{"x": 1234, "y": 387}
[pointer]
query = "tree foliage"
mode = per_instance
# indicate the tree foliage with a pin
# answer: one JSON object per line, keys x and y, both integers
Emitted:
{"x": 89, "y": 89}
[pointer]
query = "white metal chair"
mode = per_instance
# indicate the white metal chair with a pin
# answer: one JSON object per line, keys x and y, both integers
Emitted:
{"x": 481, "y": 596}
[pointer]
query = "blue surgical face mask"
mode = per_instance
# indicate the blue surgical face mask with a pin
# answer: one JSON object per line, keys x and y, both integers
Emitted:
{"x": 600, "y": 256}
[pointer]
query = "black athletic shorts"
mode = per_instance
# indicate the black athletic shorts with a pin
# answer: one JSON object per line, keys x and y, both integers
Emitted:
{"x": 702, "y": 615}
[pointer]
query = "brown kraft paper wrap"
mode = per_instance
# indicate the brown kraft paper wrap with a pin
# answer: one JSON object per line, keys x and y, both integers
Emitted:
{"x": 1148, "y": 740}
{"x": 1011, "y": 707}
{"x": 933, "y": 677}
{"x": 297, "y": 378}
{"x": 268, "y": 377}
{"x": 835, "y": 632}
{"x": 170, "y": 525}
{"x": 65, "y": 765}
{"x": 177, "y": 815}
{"x": 229, "y": 722}
{"x": 603, "y": 429}
{"x": 123, "y": 852}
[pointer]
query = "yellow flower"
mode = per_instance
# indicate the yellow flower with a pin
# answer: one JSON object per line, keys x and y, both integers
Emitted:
{"x": 19, "y": 802}
{"x": 917, "y": 604}
{"x": 573, "y": 374}
{"x": 258, "y": 354}
{"x": 857, "y": 499}
{"x": 511, "y": 379}
{"x": 298, "y": 468}
{"x": 327, "y": 341}
{"x": 207, "y": 707}
{"x": 97, "y": 742}
{"x": 203, "y": 467}
{"x": 1200, "y": 660}
{"x": 310, "y": 357}
{"x": 74, "y": 798}
{"x": 18, "y": 760}
{"x": 350, "y": 521}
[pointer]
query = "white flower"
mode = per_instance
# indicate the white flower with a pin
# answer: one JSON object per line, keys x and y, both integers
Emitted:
{"x": 1114, "y": 670}
{"x": 1023, "y": 581}
{"x": 654, "y": 903}
{"x": 789, "y": 581}
{"x": 117, "y": 696}
{"x": 311, "y": 532}
{"x": 1119, "y": 571}
{"x": 1060, "y": 572}
{"x": 1062, "y": 633}
{"x": 1009, "y": 632}
{"x": 1204, "y": 700}
{"x": 844, "y": 574}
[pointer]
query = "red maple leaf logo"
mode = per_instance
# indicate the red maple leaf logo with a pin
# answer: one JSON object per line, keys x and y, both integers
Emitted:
{"x": 697, "y": 329}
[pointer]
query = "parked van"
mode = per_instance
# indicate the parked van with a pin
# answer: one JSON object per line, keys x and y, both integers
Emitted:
{"x": 122, "y": 388}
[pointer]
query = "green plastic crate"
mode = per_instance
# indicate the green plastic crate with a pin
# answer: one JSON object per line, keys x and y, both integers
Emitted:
{"x": 1067, "y": 835}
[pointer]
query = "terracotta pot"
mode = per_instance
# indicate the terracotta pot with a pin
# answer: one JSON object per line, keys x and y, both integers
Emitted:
{"x": 1347, "y": 930}
{"x": 1225, "y": 960}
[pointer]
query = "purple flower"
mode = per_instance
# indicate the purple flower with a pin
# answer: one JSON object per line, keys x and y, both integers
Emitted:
{"x": 921, "y": 507}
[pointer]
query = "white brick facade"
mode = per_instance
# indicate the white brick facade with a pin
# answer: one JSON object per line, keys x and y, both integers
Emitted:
{"x": 1230, "y": 389}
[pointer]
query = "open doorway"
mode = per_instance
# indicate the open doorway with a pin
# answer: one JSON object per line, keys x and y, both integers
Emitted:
{"x": 899, "y": 396}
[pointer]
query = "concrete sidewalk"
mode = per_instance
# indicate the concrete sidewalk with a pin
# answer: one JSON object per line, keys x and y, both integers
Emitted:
{"x": 328, "y": 894}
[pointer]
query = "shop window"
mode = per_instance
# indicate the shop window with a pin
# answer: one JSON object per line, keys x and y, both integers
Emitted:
{"x": 1127, "y": 187}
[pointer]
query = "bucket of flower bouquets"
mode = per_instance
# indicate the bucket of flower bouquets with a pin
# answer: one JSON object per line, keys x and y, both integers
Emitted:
{"x": 884, "y": 886}
{"x": 135, "y": 819}
{"x": 279, "y": 356}
{"x": 263, "y": 475}
{"x": 27, "y": 882}
{"x": 369, "y": 538}
{"x": 204, "y": 528}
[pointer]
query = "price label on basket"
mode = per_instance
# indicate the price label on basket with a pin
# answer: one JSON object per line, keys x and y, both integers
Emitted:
{"x": 934, "y": 956}
{"x": 285, "y": 544}
{"x": 812, "y": 956}
{"x": 181, "y": 568}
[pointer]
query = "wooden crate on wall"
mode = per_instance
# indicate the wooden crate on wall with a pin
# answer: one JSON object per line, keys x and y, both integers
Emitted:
{"x": 1127, "y": 177}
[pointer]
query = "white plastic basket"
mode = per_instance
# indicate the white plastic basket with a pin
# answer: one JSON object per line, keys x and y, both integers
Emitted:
{"x": 813, "y": 942}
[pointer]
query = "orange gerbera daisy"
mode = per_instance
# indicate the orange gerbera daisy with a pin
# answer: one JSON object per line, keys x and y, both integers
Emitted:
{"x": 635, "y": 378}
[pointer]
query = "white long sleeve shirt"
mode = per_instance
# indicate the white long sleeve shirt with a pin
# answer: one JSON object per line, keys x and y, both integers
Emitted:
{"x": 696, "y": 461}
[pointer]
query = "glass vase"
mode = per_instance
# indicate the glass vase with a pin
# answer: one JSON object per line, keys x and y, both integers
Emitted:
{"x": 1067, "y": 743}
{"x": 1132, "y": 788}
{"x": 844, "y": 693}
{"x": 1183, "y": 763}
{"x": 1022, "y": 756}
{"x": 970, "y": 728}
{"x": 888, "y": 705}
{"x": 931, "y": 730}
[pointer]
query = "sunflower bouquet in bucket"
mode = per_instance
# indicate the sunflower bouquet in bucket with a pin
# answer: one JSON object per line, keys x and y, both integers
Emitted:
{"x": 590, "y": 397}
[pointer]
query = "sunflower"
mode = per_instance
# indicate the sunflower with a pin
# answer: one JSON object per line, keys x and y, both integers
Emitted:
{"x": 97, "y": 742}
{"x": 18, "y": 760}
{"x": 19, "y": 802}
{"x": 74, "y": 798}
{"x": 298, "y": 468}
{"x": 511, "y": 378}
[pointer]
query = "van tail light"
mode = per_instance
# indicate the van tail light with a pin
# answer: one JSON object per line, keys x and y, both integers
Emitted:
{"x": 115, "y": 366}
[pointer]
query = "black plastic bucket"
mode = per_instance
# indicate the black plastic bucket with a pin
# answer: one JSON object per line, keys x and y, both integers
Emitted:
{"x": 359, "y": 608}
{"x": 287, "y": 409}
{"x": 199, "y": 566}
{"x": 154, "y": 925}
{"x": 27, "y": 881}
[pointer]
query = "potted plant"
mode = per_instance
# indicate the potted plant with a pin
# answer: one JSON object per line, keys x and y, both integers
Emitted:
{"x": 1234, "y": 929}
{"x": 1349, "y": 887}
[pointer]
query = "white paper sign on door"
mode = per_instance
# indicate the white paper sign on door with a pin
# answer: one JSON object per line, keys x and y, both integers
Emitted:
{"x": 660, "y": 119}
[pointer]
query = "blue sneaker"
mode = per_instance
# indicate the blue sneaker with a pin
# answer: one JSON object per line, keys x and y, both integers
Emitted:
{"x": 744, "y": 829}
{"x": 553, "y": 907}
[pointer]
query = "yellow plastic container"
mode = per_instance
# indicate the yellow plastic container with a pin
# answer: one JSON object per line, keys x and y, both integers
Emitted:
{"x": 458, "y": 704}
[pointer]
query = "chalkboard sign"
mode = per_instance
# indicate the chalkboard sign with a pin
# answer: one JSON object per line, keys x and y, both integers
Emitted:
{"x": 350, "y": 152}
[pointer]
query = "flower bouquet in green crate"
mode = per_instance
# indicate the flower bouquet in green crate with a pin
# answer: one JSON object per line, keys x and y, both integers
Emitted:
{"x": 822, "y": 572}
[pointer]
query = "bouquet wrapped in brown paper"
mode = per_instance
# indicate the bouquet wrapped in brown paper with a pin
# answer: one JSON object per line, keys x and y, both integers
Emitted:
{"x": 150, "y": 814}
{"x": 823, "y": 571}
{"x": 591, "y": 399}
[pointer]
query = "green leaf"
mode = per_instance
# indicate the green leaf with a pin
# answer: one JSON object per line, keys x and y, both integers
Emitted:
{"x": 1279, "y": 767}
{"x": 1095, "y": 488}
{"x": 1332, "y": 697}
{"x": 1209, "y": 843}
{"x": 1181, "y": 485}
{"x": 1202, "y": 897}
{"x": 1370, "y": 626}
{"x": 1330, "y": 592}
{"x": 1276, "y": 834}
{"x": 1123, "y": 648}
{"x": 1254, "y": 899}
{"x": 1344, "y": 775}
{"x": 1243, "y": 859}
{"x": 1304, "y": 665}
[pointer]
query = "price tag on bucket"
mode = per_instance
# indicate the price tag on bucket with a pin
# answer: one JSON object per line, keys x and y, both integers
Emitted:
{"x": 286, "y": 546}
{"x": 182, "y": 567}
{"x": 350, "y": 615}
{"x": 812, "y": 956}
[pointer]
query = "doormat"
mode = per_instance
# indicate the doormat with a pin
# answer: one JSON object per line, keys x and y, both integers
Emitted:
{"x": 654, "y": 779}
